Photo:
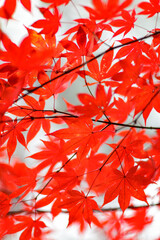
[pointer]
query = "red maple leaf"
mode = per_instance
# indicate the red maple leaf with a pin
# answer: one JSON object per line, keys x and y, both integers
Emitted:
{"x": 132, "y": 146}
{"x": 75, "y": 51}
{"x": 5, "y": 221}
{"x": 5, "y": 204}
{"x": 96, "y": 72}
{"x": 82, "y": 135}
{"x": 25, "y": 181}
{"x": 7, "y": 10}
{"x": 79, "y": 206}
{"x": 13, "y": 133}
{"x": 50, "y": 154}
{"x": 33, "y": 110}
{"x": 53, "y": 87}
{"x": 125, "y": 24}
{"x": 7, "y": 178}
{"x": 9, "y": 92}
{"x": 51, "y": 22}
{"x": 107, "y": 10}
{"x": 134, "y": 50}
{"x": 138, "y": 221}
{"x": 24, "y": 58}
{"x": 113, "y": 226}
{"x": 31, "y": 228}
{"x": 147, "y": 94}
{"x": 121, "y": 110}
{"x": 26, "y": 4}
{"x": 150, "y": 8}
{"x": 124, "y": 185}
{"x": 93, "y": 106}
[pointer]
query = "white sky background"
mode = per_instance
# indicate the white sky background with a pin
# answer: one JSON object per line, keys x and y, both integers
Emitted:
{"x": 16, "y": 31}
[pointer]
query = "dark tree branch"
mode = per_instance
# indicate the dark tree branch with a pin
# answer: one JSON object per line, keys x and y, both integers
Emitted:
{"x": 101, "y": 210}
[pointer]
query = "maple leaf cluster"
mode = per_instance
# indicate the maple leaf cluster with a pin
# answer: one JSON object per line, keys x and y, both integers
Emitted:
{"x": 96, "y": 148}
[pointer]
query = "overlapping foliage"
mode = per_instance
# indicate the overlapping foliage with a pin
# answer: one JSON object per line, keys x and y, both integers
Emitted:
{"x": 100, "y": 148}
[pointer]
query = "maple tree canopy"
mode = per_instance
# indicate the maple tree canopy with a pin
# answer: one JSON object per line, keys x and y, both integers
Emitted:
{"x": 96, "y": 146}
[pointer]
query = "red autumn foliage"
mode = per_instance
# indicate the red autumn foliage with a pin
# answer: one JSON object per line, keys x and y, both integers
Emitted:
{"x": 95, "y": 148}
